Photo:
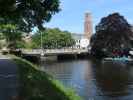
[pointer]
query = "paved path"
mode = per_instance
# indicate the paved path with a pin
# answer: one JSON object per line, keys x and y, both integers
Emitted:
{"x": 8, "y": 78}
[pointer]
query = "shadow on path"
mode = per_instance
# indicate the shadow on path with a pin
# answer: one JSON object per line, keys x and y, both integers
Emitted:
{"x": 8, "y": 79}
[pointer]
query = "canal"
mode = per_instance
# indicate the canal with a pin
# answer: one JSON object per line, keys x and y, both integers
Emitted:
{"x": 94, "y": 80}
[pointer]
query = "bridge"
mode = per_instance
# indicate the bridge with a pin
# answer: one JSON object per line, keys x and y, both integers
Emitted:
{"x": 67, "y": 53}
{"x": 54, "y": 52}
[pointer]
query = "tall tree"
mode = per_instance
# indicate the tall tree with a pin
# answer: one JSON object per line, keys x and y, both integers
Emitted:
{"x": 11, "y": 35}
{"x": 27, "y": 13}
{"x": 113, "y": 33}
{"x": 53, "y": 38}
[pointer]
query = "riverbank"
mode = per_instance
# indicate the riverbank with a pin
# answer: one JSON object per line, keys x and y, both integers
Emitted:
{"x": 37, "y": 85}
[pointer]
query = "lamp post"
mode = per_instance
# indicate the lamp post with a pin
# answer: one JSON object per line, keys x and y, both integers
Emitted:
{"x": 42, "y": 53}
{"x": 41, "y": 39}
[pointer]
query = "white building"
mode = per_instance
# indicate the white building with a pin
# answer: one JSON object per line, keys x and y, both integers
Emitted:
{"x": 81, "y": 41}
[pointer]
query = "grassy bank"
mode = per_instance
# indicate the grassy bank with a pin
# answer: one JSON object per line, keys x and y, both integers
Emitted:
{"x": 37, "y": 85}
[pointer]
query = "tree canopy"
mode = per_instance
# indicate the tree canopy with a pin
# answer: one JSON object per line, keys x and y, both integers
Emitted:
{"x": 27, "y": 13}
{"x": 11, "y": 35}
{"x": 53, "y": 38}
{"x": 113, "y": 33}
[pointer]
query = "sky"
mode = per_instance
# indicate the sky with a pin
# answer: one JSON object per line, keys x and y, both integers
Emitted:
{"x": 71, "y": 16}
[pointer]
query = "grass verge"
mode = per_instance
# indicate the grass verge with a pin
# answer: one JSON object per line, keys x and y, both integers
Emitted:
{"x": 38, "y": 85}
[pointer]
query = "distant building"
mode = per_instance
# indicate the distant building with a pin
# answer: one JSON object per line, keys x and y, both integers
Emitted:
{"x": 27, "y": 37}
{"x": 83, "y": 40}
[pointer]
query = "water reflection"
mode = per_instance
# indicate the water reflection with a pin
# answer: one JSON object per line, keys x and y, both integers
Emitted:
{"x": 95, "y": 80}
{"x": 114, "y": 80}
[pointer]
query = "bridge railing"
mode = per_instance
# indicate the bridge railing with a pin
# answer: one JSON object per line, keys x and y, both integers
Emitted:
{"x": 48, "y": 51}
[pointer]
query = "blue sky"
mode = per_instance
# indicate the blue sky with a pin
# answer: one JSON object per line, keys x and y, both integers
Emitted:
{"x": 71, "y": 17}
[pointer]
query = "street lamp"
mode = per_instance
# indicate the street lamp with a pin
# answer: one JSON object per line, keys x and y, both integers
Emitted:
{"x": 41, "y": 39}
{"x": 42, "y": 54}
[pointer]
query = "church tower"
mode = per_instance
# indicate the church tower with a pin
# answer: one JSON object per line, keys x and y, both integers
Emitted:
{"x": 88, "y": 29}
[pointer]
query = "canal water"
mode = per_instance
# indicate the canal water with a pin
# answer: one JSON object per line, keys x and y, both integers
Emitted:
{"x": 94, "y": 80}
